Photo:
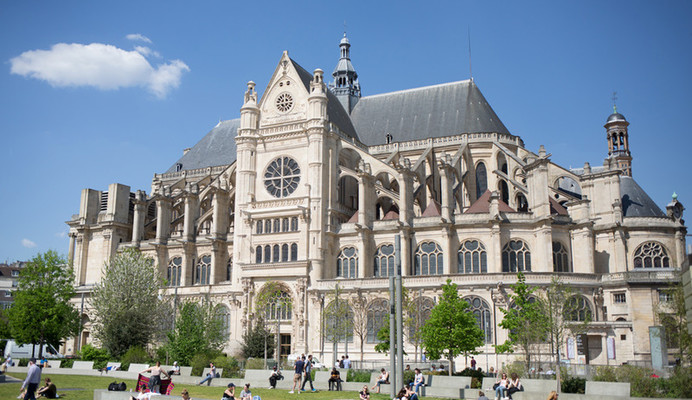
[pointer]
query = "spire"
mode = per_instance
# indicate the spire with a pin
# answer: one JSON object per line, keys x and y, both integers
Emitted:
{"x": 617, "y": 136}
{"x": 345, "y": 85}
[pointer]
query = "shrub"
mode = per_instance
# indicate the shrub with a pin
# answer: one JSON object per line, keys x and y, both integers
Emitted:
{"x": 476, "y": 377}
{"x": 100, "y": 357}
{"x": 679, "y": 383}
{"x": 517, "y": 367}
{"x": 134, "y": 355}
{"x": 67, "y": 362}
{"x": 254, "y": 363}
{"x": 573, "y": 384}
{"x": 231, "y": 367}
{"x": 605, "y": 374}
{"x": 358, "y": 375}
{"x": 641, "y": 383}
{"x": 200, "y": 361}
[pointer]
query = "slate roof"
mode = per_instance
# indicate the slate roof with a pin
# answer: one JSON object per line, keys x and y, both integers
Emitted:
{"x": 433, "y": 111}
{"x": 635, "y": 201}
{"x": 482, "y": 205}
{"x": 216, "y": 148}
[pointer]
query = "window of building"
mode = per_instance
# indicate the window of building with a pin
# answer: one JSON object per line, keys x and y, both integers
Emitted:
{"x": 284, "y": 252}
{"x": 259, "y": 227}
{"x": 623, "y": 337}
{"x": 481, "y": 180}
{"x": 384, "y": 261}
{"x": 284, "y": 225}
{"x": 577, "y": 309}
{"x": 419, "y": 312}
{"x": 267, "y": 253}
{"x": 229, "y": 269}
{"x": 258, "y": 254}
{"x": 338, "y": 324}
{"x": 294, "y": 224}
{"x": 516, "y": 256}
{"x": 651, "y": 255}
{"x": 294, "y": 252}
{"x": 481, "y": 310}
{"x": 280, "y": 307}
{"x": 277, "y": 225}
{"x": 428, "y": 259}
{"x": 665, "y": 296}
{"x": 275, "y": 253}
{"x": 560, "y": 258}
{"x": 522, "y": 203}
{"x": 203, "y": 270}
{"x": 619, "y": 298}
{"x": 223, "y": 315}
{"x": 174, "y": 271}
{"x": 472, "y": 258}
{"x": 347, "y": 263}
{"x": 15, "y": 273}
{"x": 15, "y": 283}
{"x": 378, "y": 314}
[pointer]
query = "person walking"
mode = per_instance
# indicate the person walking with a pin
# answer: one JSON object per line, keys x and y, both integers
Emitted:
{"x": 33, "y": 379}
{"x": 308, "y": 374}
{"x": 299, "y": 366}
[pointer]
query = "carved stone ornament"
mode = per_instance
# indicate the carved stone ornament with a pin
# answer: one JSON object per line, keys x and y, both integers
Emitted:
{"x": 499, "y": 295}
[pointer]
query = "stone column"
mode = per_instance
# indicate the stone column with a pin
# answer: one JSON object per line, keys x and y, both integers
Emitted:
{"x": 365, "y": 196}
{"x": 406, "y": 255}
{"x": 495, "y": 248}
{"x": 163, "y": 218}
{"x": 221, "y": 200}
{"x": 446, "y": 176}
{"x": 191, "y": 213}
{"x": 138, "y": 217}
{"x": 70, "y": 254}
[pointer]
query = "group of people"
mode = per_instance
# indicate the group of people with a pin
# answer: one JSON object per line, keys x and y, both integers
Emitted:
{"x": 229, "y": 393}
{"x": 30, "y": 388}
{"x": 302, "y": 370}
{"x": 505, "y": 388}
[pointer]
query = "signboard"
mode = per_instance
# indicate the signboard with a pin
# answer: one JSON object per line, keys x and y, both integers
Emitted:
{"x": 583, "y": 348}
{"x": 570, "y": 348}
{"x": 610, "y": 344}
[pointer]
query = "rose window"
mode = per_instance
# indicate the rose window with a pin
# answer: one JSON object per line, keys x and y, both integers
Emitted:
{"x": 284, "y": 102}
{"x": 282, "y": 177}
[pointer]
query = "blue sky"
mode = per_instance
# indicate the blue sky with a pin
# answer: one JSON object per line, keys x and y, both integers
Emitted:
{"x": 165, "y": 72}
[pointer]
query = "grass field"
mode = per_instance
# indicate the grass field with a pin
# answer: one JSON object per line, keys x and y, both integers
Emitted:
{"x": 82, "y": 388}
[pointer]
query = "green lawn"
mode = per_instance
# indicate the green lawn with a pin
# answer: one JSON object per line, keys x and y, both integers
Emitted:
{"x": 87, "y": 385}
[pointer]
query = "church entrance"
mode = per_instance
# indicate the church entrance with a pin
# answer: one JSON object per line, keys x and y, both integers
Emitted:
{"x": 285, "y": 345}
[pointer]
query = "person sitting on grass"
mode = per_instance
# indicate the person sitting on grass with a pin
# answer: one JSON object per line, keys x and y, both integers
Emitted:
{"x": 246, "y": 394}
{"x": 402, "y": 395}
{"x": 229, "y": 393}
{"x": 410, "y": 393}
{"x": 185, "y": 395}
{"x": 365, "y": 394}
{"x": 49, "y": 391}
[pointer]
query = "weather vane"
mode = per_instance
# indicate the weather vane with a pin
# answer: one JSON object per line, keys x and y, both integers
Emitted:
{"x": 615, "y": 97}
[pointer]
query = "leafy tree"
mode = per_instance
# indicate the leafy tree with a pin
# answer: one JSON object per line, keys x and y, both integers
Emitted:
{"x": 382, "y": 345}
{"x": 673, "y": 316}
{"x": 127, "y": 309}
{"x": 271, "y": 297}
{"x": 451, "y": 329}
{"x": 4, "y": 325}
{"x": 557, "y": 307}
{"x": 524, "y": 319}
{"x": 256, "y": 340}
{"x": 42, "y": 312}
{"x": 197, "y": 330}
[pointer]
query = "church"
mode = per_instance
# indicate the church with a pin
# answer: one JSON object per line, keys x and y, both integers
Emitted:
{"x": 309, "y": 187}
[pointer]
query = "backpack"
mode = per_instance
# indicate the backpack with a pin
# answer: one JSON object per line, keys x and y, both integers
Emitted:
{"x": 117, "y": 387}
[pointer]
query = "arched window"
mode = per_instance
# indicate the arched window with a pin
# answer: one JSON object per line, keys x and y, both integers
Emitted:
{"x": 275, "y": 253}
{"x": 516, "y": 256}
{"x": 338, "y": 322}
{"x": 347, "y": 263}
{"x": 277, "y": 225}
{"x": 481, "y": 179}
{"x": 378, "y": 311}
{"x": 203, "y": 270}
{"x": 229, "y": 269}
{"x": 560, "y": 258}
{"x": 472, "y": 258}
{"x": 258, "y": 254}
{"x": 284, "y": 252}
{"x": 384, "y": 261}
{"x": 294, "y": 224}
{"x": 504, "y": 191}
{"x": 481, "y": 310}
{"x": 294, "y": 252}
{"x": 223, "y": 315}
{"x": 280, "y": 307}
{"x": 428, "y": 259}
{"x": 284, "y": 225}
{"x": 174, "y": 271}
{"x": 651, "y": 255}
{"x": 258, "y": 227}
{"x": 267, "y": 253}
{"x": 268, "y": 226}
{"x": 522, "y": 203}
{"x": 577, "y": 309}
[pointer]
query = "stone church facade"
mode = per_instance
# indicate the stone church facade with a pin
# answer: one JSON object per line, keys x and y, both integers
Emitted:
{"x": 310, "y": 186}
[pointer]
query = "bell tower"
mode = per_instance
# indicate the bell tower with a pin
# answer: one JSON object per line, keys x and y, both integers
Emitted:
{"x": 345, "y": 86}
{"x": 618, "y": 141}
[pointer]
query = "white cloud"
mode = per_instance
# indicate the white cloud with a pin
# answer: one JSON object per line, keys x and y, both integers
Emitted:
{"x": 99, "y": 65}
{"x": 28, "y": 243}
{"x": 62, "y": 234}
{"x": 146, "y": 52}
{"x": 138, "y": 37}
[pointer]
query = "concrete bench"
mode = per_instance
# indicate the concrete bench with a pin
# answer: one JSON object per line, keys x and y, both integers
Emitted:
{"x": 441, "y": 381}
{"x": 621, "y": 389}
{"x": 102, "y": 394}
{"x": 112, "y": 366}
{"x": 83, "y": 365}
{"x": 258, "y": 374}
{"x": 53, "y": 364}
{"x": 136, "y": 368}
{"x": 184, "y": 371}
{"x": 219, "y": 372}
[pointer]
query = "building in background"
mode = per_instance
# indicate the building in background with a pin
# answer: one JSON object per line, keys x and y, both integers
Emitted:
{"x": 310, "y": 186}
{"x": 9, "y": 279}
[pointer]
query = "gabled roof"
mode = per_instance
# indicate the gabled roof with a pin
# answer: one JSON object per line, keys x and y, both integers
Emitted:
{"x": 432, "y": 210}
{"x": 635, "y": 201}
{"x": 482, "y": 205}
{"x": 434, "y": 111}
{"x": 335, "y": 111}
{"x": 216, "y": 148}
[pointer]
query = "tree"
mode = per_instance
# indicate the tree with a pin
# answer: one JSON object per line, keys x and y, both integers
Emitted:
{"x": 197, "y": 331}
{"x": 42, "y": 312}
{"x": 359, "y": 306}
{"x": 270, "y": 300}
{"x": 672, "y": 315}
{"x": 524, "y": 319}
{"x": 127, "y": 309}
{"x": 558, "y": 308}
{"x": 451, "y": 329}
{"x": 256, "y": 340}
{"x": 416, "y": 315}
{"x": 337, "y": 324}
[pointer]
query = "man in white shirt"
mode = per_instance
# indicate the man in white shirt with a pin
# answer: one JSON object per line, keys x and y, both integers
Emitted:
{"x": 347, "y": 362}
{"x": 33, "y": 379}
